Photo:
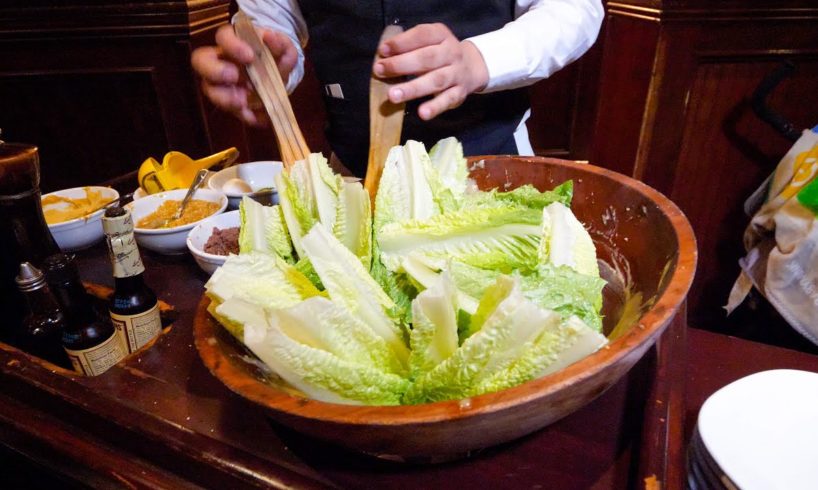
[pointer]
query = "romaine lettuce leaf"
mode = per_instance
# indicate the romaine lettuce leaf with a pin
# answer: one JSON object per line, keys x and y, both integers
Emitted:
{"x": 350, "y": 286}
{"x": 353, "y": 224}
{"x": 567, "y": 292}
{"x": 424, "y": 276}
{"x": 434, "y": 327}
{"x": 296, "y": 203}
{"x": 404, "y": 191}
{"x": 261, "y": 279}
{"x": 561, "y": 289}
{"x": 558, "y": 346}
{"x": 494, "y": 294}
{"x": 525, "y": 196}
{"x": 447, "y": 158}
{"x": 448, "y": 177}
{"x": 319, "y": 374}
{"x": 397, "y": 286}
{"x": 263, "y": 230}
{"x": 234, "y": 313}
{"x": 308, "y": 194}
{"x": 498, "y": 238}
{"x": 326, "y": 185}
{"x": 512, "y": 323}
{"x": 319, "y": 323}
{"x": 566, "y": 242}
{"x": 529, "y": 196}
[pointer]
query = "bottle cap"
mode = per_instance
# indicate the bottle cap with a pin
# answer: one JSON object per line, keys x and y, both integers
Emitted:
{"x": 60, "y": 268}
{"x": 29, "y": 278}
{"x": 117, "y": 221}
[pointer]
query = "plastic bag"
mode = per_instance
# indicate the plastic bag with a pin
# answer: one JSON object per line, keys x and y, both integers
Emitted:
{"x": 782, "y": 241}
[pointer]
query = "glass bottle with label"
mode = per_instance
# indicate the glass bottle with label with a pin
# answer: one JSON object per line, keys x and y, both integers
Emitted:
{"x": 90, "y": 340}
{"x": 24, "y": 235}
{"x": 133, "y": 307}
{"x": 43, "y": 326}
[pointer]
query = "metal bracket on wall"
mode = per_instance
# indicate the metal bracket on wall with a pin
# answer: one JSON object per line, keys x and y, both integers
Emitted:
{"x": 765, "y": 112}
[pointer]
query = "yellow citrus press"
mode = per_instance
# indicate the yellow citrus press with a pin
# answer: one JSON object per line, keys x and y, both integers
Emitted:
{"x": 178, "y": 170}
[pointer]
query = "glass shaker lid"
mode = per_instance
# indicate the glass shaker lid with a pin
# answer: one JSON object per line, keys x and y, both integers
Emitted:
{"x": 29, "y": 278}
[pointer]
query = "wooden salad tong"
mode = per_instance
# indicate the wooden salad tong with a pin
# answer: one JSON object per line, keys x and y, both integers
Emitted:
{"x": 264, "y": 75}
{"x": 385, "y": 121}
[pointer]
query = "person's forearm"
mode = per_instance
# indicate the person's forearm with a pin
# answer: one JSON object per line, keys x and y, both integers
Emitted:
{"x": 546, "y": 36}
{"x": 284, "y": 16}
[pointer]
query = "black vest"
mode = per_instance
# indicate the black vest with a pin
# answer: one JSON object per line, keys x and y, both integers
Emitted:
{"x": 343, "y": 37}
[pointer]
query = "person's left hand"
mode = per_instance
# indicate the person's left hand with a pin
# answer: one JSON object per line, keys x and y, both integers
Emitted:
{"x": 445, "y": 67}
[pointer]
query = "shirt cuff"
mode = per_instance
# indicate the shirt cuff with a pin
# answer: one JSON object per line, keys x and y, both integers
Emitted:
{"x": 506, "y": 67}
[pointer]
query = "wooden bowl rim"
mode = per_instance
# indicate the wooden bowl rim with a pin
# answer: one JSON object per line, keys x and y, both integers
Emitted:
{"x": 649, "y": 326}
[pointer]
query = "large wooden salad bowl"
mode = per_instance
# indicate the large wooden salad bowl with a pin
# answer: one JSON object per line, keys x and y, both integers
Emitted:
{"x": 640, "y": 234}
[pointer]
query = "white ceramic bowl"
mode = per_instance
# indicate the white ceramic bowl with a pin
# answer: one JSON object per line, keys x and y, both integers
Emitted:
{"x": 258, "y": 175}
{"x": 169, "y": 241}
{"x": 79, "y": 233}
{"x": 199, "y": 235}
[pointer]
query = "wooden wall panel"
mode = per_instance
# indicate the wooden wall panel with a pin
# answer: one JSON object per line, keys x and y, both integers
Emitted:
{"x": 101, "y": 85}
{"x": 72, "y": 117}
{"x": 623, "y": 86}
{"x": 726, "y": 153}
{"x": 698, "y": 140}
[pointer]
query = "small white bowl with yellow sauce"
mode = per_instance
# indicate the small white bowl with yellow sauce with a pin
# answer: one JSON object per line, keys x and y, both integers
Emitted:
{"x": 172, "y": 240}
{"x": 74, "y": 216}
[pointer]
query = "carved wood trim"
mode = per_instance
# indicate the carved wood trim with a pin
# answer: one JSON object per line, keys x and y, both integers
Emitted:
{"x": 635, "y": 11}
{"x": 133, "y": 19}
{"x": 687, "y": 14}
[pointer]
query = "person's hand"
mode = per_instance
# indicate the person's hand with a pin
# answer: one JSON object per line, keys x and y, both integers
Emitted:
{"x": 446, "y": 68}
{"x": 224, "y": 81}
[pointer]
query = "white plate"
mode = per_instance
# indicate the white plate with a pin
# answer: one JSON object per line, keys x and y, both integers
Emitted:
{"x": 762, "y": 430}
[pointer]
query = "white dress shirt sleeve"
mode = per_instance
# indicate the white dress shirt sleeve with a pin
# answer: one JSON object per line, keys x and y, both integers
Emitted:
{"x": 284, "y": 16}
{"x": 545, "y": 36}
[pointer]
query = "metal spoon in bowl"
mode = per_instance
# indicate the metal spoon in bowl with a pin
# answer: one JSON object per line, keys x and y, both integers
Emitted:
{"x": 197, "y": 182}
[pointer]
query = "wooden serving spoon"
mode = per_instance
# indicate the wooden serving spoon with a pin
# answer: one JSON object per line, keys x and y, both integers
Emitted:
{"x": 385, "y": 121}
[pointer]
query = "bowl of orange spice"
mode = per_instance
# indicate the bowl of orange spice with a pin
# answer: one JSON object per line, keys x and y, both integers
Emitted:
{"x": 154, "y": 227}
{"x": 74, "y": 216}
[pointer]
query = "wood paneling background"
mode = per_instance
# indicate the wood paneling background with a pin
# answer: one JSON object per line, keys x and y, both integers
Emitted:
{"x": 674, "y": 111}
{"x": 100, "y": 86}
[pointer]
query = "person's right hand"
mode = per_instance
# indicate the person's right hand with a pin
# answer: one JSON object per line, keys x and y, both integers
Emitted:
{"x": 224, "y": 80}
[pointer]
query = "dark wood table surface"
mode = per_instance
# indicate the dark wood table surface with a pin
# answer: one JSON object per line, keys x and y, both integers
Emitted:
{"x": 161, "y": 420}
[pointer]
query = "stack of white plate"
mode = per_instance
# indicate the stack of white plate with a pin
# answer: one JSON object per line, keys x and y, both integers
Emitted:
{"x": 760, "y": 432}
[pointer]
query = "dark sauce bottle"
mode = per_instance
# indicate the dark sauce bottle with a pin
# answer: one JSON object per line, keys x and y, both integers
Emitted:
{"x": 43, "y": 325}
{"x": 133, "y": 307}
{"x": 24, "y": 234}
{"x": 89, "y": 339}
